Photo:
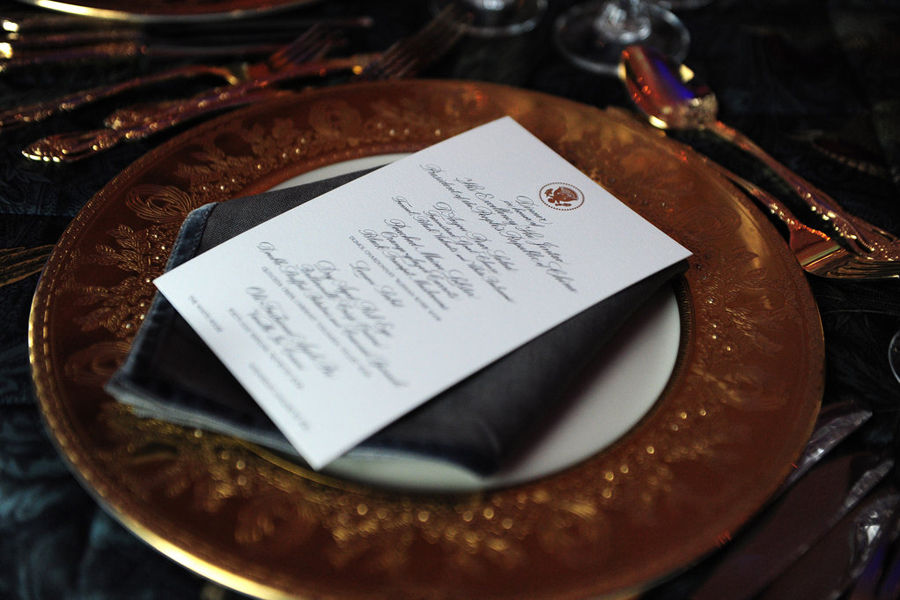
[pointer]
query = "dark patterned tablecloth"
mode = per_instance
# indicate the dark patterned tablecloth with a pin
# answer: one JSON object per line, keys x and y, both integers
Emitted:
{"x": 815, "y": 82}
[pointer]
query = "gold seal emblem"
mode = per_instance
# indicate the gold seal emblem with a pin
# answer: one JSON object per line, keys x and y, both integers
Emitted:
{"x": 561, "y": 196}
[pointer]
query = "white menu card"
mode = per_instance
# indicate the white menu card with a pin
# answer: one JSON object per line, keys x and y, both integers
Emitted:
{"x": 346, "y": 312}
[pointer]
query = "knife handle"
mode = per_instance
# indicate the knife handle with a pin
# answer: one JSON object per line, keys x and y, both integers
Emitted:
{"x": 127, "y": 50}
{"x": 141, "y": 122}
{"x": 72, "y": 147}
{"x": 858, "y": 235}
{"x": 24, "y": 59}
{"x": 34, "y": 113}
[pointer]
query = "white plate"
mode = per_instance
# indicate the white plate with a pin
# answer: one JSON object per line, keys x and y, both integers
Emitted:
{"x": 614, "y": 395}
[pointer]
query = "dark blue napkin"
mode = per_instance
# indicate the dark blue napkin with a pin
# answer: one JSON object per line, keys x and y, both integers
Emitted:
{"x": 172, "y": 375}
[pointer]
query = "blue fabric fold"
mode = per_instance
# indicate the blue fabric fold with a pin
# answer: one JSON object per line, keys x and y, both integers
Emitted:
{"x": 478, "y": 423}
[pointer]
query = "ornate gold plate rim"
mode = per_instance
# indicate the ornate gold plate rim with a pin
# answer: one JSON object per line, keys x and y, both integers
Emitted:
{"x": 166, "y": 11}
{"x": 678, "y": 484}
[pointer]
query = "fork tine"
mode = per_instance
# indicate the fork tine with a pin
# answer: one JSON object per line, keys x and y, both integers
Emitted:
{"x": 314, "y": 42}
{"x": 407, "y": 46}
{"x": 436, "y": 46}
{"x": 310, "y": 52}
{"x": 308, "y": 36}
{"x": 861, "y": 266}
{"x": 820, "y": 255}
{"x": 845, "y": 273}
{"x": 408, "y": 56}
{"x": 817, "y": 253}
{"x": 415, "y": 61}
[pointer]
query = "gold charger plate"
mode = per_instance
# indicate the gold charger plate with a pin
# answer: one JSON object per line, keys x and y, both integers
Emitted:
{"x": 160, "y": 11}
{"x": 738, "y": 408}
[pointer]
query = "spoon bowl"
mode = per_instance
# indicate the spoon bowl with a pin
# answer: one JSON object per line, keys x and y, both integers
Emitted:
{"x": 659, "y": 88}
{"x": 671, "y": 98}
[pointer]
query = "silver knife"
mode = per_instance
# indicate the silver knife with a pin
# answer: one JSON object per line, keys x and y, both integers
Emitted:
{"x": 792, "y": 525}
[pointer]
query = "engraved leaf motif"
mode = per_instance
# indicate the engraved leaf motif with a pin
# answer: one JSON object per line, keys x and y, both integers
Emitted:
{"x": 274, "y": 524}
{"x": 95, "y": 364}
{"x": 118, "y": 317}
{"x": 141, "y": 252}
{"x": 575, "y": 533}
{"x": 336, "y": 119}
{"x": 159, "y": 203}
{"x": 282, "y": 143}
{"x": 172, "y": 461}
{"x": 120, "y": 308}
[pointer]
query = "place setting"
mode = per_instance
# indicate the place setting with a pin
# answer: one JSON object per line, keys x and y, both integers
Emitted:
{"x": 348, "y": 328}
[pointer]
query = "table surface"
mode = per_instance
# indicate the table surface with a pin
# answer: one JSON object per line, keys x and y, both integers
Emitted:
{"x": 815, "y": 82}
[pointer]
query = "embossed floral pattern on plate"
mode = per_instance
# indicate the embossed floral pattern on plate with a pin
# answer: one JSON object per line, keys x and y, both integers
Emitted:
{"x": 692, "y": 471}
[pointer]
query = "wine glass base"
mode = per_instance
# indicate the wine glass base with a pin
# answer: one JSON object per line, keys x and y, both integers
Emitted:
{"x": 684, "y": 4}
{"x": 584, "y": 45}
{"x": 508, "y": 18}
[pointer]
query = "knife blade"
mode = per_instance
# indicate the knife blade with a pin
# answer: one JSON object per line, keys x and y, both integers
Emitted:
{"x": 831, "y": 566}
{"x": 790, "y": 527}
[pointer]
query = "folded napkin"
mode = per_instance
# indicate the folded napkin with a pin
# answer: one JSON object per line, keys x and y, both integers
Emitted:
{"x": 172, "y": 375}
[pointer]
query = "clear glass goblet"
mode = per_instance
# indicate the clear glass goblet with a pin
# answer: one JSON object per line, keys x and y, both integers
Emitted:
{"x": 496, "y": 18}
{"x": 592, "y": 35}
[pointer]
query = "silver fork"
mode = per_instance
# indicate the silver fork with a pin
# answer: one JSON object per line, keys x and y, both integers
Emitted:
{"x": 405, "y": 58}
{"x": 816, "y": 252}
{"x": 313, "y": 42}
{"x": 409, "y": 56}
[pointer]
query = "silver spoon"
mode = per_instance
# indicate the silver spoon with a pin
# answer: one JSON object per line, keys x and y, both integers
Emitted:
{"x": 666, "y": 93}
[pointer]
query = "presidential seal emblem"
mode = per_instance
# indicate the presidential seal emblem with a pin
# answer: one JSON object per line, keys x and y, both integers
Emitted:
{"x": 561, "y": 196}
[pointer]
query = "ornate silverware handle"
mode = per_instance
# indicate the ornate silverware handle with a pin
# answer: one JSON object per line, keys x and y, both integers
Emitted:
{"x": 849, "y": 227}
{"x": 42, "y": 110}
{"x": 140, "y": 115}
{"x": 816, "y": 251}
{"x": 125, "y": 50}
{"x": 71, "y": 147}
{"x": 141, "y": 122}
{"x": 21, "y": 22}
{"x": 55, "y": 22}
{"x": 763, "y": 198}
{"x": 103, "y": 51}
{"x": 405, "y": 58}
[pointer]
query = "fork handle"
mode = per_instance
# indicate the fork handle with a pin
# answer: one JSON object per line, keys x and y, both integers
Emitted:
{"x": 34, "y": 113}
{"x": 762, "y": 197}
{"x": 805, "y": 242}
{"x": 156, "y": 116}
{"x": 859, "y": 235}
{"x": 220, "y": 97}
{"x": 128, "y": 50}
{"x": 71, "y": 147}
{"x": 101, "y": 51}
